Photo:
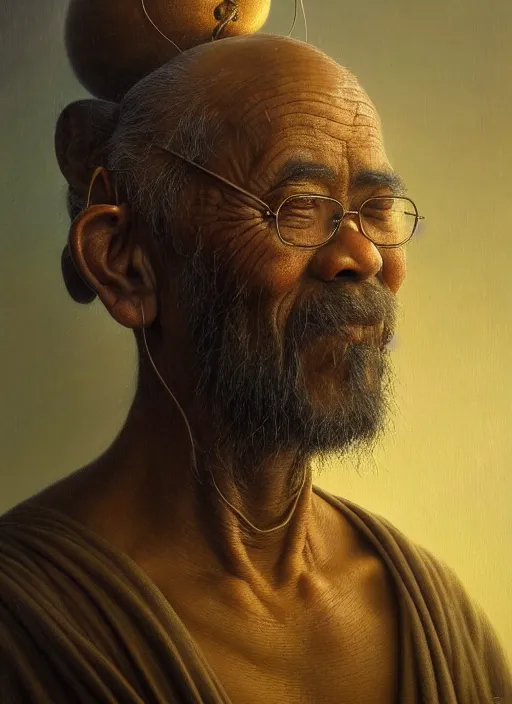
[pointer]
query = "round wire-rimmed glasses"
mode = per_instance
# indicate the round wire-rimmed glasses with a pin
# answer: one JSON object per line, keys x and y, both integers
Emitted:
{"x": 310, "y": 220}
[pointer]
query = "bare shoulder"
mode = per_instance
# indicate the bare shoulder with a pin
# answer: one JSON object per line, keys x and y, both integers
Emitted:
{"x": 70, "y": 496}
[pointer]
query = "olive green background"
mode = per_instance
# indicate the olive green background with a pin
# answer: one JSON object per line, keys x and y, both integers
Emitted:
{"x": 440, "y": 74}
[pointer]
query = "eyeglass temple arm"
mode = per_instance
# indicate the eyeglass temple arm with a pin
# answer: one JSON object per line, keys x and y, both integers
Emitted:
{"x": 268, "y": 210}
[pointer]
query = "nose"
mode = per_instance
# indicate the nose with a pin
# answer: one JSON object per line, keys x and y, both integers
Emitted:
{"x": 349, "y": 254}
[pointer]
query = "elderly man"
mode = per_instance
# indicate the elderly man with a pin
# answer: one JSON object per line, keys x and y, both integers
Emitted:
{"x": 246, "y": 224}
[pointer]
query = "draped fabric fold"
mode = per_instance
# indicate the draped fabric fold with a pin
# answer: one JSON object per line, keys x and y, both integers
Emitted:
{"x": 81, "y": 622}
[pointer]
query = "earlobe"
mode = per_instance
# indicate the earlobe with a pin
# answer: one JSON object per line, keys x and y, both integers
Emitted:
{"x": 134, "y": 313}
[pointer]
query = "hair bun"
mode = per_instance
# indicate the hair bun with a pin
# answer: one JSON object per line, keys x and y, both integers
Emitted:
{"x": 75, "y": 285}
{"x": 112, "y": 44}
{"x": 82, "y": 133}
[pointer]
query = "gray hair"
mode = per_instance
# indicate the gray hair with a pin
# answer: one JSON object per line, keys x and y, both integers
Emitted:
{"x": 170, "y": 108}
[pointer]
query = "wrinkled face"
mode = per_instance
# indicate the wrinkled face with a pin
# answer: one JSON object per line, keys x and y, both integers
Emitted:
{"x": 290, "y": 341}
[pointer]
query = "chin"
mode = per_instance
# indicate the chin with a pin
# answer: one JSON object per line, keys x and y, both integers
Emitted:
{"x": 346, "y": 396}
{"x": 342, "y": 369}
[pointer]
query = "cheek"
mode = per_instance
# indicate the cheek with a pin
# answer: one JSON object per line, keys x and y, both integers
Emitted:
{"x": 276, "y": 268}
{"x": 394, "y": 268}
{"x": 270, "y": 267}
{"x": 250, "y": 250}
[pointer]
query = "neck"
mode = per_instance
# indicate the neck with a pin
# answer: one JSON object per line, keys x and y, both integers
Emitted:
{"x": 162, "y": 508}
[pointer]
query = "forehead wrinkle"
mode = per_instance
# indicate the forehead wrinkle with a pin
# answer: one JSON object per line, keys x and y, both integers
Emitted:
{"x": 297, "y": 124}
{"x": 272, "y": 91}
{"x": 262, "y": 118}
{"x": 320, "y": 123}
{"x": 312, "y": 109}
{"x": 306, "y": 88}
{"x": 292, "y": 139}
{"x": 366, "y": 114}
{"x": 255, "y": 115}
{"x": 261, "y": 109}
{"x": 286, "y": 103}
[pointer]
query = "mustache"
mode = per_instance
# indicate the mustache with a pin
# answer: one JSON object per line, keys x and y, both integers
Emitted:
{"x": 340, "y": 306}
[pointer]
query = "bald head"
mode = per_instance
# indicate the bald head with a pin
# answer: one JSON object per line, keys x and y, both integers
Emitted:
{"x": 233, "y": 77}
{"x": 236, "y": 60}
{"x": 256, "y": 82}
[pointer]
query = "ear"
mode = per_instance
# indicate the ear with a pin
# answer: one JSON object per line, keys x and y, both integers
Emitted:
{"x": 111, "y": 261}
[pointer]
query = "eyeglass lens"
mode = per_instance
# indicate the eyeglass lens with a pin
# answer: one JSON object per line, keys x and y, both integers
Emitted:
{"x": 312, "y": 220}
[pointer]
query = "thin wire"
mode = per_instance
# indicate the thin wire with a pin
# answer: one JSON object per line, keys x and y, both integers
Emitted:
{"x": 296, "y": 9}
{"x": 194, "y": 457}
{"x": 97, "y": 171}
{"x": 220, "y": 28}
{"x": 193, "y": 449}
{"x": 157, "y": 29}
{"x": 267, "y": 530}
{"x": 305, "y": 18}
{"x": 296, "y": 5}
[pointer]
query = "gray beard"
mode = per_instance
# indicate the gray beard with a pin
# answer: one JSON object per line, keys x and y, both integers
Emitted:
{"x": 251, "y": 379}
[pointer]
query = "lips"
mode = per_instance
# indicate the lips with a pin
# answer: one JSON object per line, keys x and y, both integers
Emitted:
{"x": 378, "y": 336}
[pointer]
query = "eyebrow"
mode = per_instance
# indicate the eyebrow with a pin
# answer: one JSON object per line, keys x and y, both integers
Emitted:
{"x": 378, "y": 177}
{"x": 301, "y": 170}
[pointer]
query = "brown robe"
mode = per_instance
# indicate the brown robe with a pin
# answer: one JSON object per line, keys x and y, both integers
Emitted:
{"x": 81, "y": 623}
